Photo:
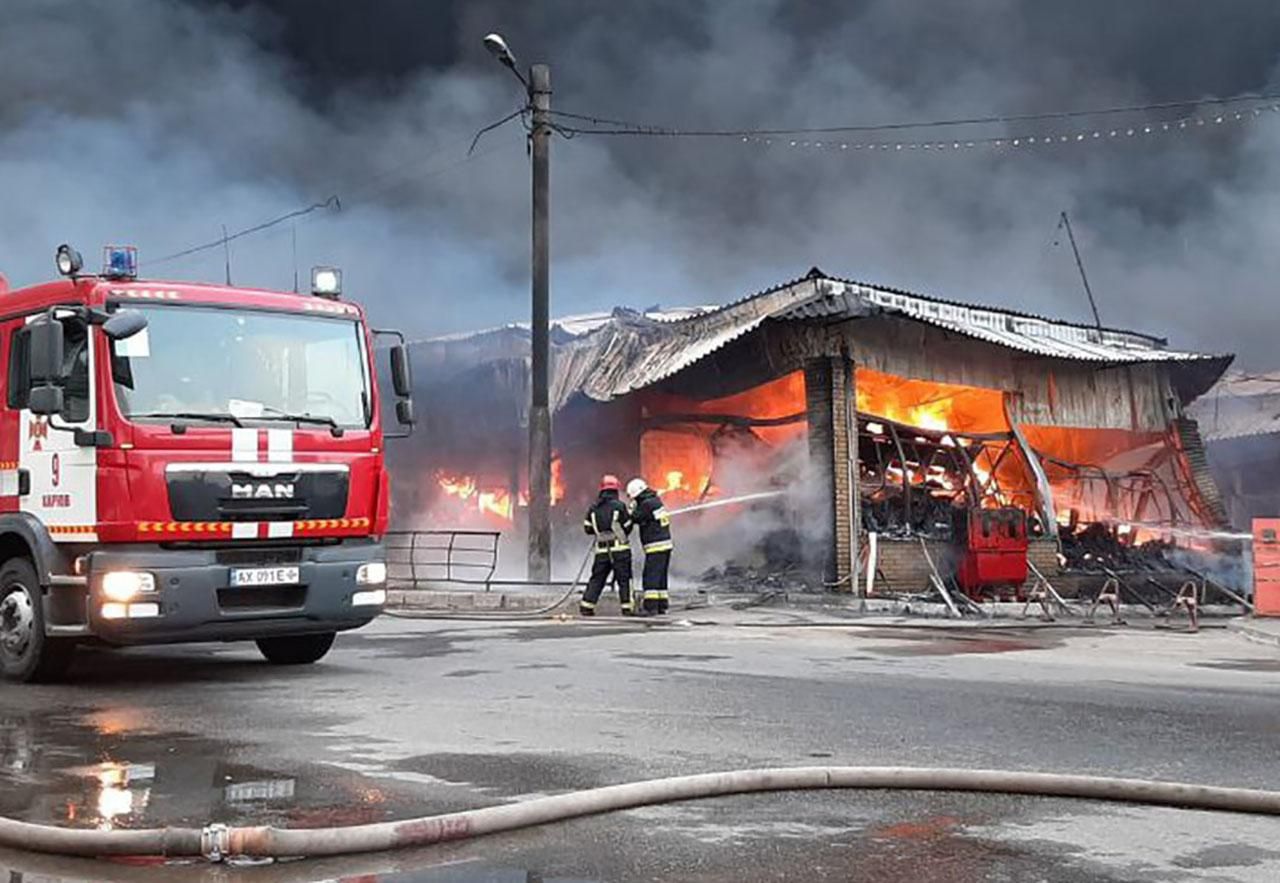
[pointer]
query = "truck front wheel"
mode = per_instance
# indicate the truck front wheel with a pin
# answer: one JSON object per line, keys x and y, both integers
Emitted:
{"x": 26, "y": 653}
{"x": 296, "y": 649}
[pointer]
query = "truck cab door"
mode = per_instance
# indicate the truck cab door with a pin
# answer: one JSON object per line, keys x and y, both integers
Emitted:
{"x": 63, "y": 474}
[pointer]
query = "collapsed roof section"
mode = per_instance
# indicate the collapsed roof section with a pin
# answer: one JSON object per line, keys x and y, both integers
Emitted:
{"x": 1239, "y": 406}
{"x": 605, "y": 356}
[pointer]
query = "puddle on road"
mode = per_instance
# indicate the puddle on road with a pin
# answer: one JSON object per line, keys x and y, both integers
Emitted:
{"x": 88, "y": 771}
{"x": 671, "y": 657}
{"x": 938, "y": 643}
{"x": 1262, "y": 665}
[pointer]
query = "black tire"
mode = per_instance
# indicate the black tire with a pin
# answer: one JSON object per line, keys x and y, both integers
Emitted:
{"x": 26, "y": 653}
{"x": 296, "y": 649}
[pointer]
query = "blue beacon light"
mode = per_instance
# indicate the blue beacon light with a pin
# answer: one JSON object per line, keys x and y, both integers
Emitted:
{"x": 120, "y": 262}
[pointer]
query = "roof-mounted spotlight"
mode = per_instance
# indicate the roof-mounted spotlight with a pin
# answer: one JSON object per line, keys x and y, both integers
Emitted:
{"x": 69, "y": 261}
{"x": 326, "y": 282}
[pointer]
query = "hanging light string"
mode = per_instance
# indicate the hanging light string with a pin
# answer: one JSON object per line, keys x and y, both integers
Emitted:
{"x": 1178, "y": 126}
{"x": 1227, "y": 110}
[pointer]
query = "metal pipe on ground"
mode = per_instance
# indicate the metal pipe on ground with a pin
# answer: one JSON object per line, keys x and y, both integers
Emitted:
{"x": 217, "y": 841}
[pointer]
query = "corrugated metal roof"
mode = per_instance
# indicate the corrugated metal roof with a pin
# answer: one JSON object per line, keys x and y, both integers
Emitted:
{"x": 1020, "y": 331}
{"x": 608, "y": 355}
{"x": 1238, "y": 406}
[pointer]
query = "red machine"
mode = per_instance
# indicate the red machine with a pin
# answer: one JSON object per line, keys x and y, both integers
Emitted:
{"x": 992, "y": 550}
{"x": 183, "y": 462}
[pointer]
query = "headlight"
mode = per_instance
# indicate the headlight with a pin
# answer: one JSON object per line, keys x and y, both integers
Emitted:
{"x": 372, "y": 574}
{"x": 123, "y": 585}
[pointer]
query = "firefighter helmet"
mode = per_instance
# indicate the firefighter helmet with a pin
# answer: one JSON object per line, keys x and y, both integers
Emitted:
{"x": 635, "y": 487}
{"x": 610, "y": 483}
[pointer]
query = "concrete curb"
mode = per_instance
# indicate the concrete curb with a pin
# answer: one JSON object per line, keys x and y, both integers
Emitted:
{"x": 1259, "y": 631}
{"x": 436, "y": 599}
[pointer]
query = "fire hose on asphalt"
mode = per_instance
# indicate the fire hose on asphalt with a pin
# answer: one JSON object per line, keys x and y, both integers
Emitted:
{"x": 577, "y": 580}
{"x": 216, "y": 842}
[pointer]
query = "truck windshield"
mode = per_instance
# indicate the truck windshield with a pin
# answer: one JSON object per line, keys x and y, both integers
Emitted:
{"x": 251, "y": 365}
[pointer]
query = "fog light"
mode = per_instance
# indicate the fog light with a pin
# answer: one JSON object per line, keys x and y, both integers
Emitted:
{"x": 122, "y": 585}
{"x": 372, "y": 574}
{"x": 144, "y": 611}
{"x": 114, "y": 610}
{"x": 371, "y": 598}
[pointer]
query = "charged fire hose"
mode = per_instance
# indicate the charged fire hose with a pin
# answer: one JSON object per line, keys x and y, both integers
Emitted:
{"x": 503, "y": 614}
{"x": 216, "y": 842}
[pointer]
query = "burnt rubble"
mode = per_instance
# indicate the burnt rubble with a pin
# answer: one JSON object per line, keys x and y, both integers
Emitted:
{"x": 1098, "y": 548}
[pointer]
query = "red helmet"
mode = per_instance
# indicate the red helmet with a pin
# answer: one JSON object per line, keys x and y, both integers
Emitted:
{"x": 610, "y": 483}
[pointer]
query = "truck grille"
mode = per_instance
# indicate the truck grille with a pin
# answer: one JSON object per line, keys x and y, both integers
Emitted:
{"x": 258, "y": 556}
{"x": 227, "y": 492}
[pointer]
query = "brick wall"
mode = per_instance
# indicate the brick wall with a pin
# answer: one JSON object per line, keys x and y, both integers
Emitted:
{"x": 902, "y": 565}
{"x": 828, "y": 395}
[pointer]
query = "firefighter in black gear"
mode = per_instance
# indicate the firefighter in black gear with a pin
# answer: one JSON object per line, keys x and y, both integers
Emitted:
{"x": 610, "y": 523}
{"x": 654, "y": 525}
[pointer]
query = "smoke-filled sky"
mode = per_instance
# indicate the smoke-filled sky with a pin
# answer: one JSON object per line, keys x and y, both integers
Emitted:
{"x": 155, "y": 122}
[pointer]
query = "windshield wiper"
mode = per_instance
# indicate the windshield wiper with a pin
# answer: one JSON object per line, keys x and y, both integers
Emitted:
{"x": 318, "y": 420}
{"x": 213, "y": 416}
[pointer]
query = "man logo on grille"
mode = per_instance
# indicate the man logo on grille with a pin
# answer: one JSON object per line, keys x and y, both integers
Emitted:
{"x": 266, "y": 490}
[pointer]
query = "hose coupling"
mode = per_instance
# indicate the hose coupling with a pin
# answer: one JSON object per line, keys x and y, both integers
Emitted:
{"x": 215, "y": 840}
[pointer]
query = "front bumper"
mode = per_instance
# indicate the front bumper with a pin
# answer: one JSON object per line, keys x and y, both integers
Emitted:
{"x": 197, "y": 603}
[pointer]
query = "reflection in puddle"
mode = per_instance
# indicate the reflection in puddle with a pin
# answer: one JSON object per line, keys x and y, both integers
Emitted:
{"x": 246, "y": 792}
{"x": 122, "y": 791}
{"x": 99, "y": 771}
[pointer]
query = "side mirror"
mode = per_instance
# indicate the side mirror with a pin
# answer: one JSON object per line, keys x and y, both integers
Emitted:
{"x": 404, "y": 412}
{"x": 47, "y": 339}
{"x": 401, "y": 377}
{"x": 124, "y": 324}
{"x": 45, "y": 401}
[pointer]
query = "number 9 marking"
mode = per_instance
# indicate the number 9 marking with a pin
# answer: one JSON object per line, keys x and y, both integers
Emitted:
{"x": 55, "y": 467}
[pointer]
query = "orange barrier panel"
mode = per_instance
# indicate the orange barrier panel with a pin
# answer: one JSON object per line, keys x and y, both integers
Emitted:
{"x": 1266, "y": 566}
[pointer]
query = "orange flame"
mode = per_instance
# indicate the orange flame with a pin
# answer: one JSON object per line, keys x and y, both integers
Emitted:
{"x": 493, "y": 498}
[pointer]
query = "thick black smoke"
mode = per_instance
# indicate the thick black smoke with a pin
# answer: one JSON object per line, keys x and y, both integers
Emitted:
{"x": 156, "y": 122}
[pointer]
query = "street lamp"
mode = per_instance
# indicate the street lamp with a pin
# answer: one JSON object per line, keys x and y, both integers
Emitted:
{"x": 538, "y": 89}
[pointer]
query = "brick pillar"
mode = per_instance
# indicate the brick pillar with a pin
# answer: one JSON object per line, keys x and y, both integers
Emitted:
{"x": 829, "y": 400}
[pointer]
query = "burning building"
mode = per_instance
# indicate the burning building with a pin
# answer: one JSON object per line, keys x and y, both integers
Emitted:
{"x": 886, "y": 420}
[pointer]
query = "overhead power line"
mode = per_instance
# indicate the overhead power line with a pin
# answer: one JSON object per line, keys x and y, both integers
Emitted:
{"x": 370, "y": 187}
{"x": 607, "y": 126}
{"x": 332, "y": 201}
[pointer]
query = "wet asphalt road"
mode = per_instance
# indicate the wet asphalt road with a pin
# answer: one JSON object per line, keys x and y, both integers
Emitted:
{"x": 411, "y": 718}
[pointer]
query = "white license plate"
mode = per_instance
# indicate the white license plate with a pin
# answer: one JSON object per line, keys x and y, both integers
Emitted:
{"x": 264, "y": 576}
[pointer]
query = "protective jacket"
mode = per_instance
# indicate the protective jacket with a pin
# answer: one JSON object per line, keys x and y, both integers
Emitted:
{"x": 609, "y": 522}
{"x": 653, "y": 522}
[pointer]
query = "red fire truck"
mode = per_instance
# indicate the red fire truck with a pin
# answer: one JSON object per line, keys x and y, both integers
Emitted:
{"x": 184, "y": 462}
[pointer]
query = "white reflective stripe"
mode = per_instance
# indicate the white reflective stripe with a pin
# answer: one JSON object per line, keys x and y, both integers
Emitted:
{"x": 244, "y": 530}
{"x": 9, "y": 483}
{"x": 279, "y": 445}
{"x": 279, "y": 529}
{"x": 244, "y": 445}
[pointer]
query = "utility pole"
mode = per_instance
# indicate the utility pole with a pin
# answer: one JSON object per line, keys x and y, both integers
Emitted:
{"x": 538, "y": 89}
{"x": 1066, "y": 222}
{"x": 539, "y": 369}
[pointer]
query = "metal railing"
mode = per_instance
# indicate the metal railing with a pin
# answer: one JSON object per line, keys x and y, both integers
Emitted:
{"x": 417, "y": 557}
